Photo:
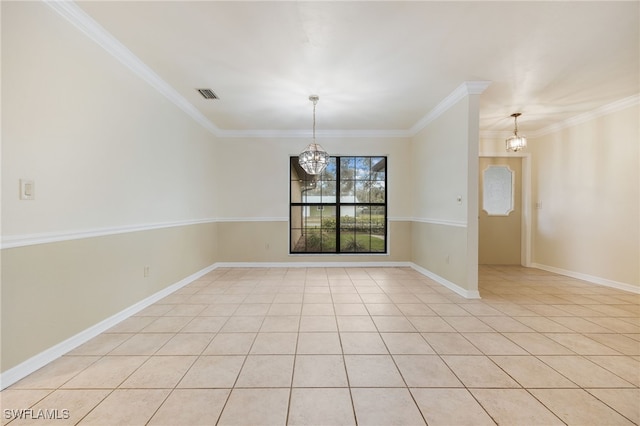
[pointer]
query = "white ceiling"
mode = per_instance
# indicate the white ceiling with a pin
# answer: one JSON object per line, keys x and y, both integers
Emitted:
{"x": 382, "y": 66}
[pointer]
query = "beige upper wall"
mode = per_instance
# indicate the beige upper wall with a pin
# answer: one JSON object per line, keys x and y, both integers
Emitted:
{"x": 253, "y": 197}
{"x": 104, "y": 148}
{"x": 445, "y": 188}
{"x": 253, "y": 174}
{"x": 440, "y": 168}
{"x": 586, "y": 178}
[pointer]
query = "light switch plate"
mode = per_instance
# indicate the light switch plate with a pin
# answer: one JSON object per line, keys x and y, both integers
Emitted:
{"x": 27, "y": 189}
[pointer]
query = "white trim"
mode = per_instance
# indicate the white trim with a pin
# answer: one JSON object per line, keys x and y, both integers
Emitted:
{"x": 589, "y": 278}
{"x": 570, "y": 122}
{"x": 286, "y": 219}
{"x": 465, "y": 89}
{"x": 504, "y": 154}
{"x": 14, "y": 241}
{"x": 467, "y": 294}
{"x": 38, "y": 361}
{"x": 399, "y": 219}
{"x": 346, "y": 264}
{"x": 303, "y": 134}
{"x": 446, "y": 222}
{"x": 588, "y": 116}
{"x": 513, "y": 189}
{"x": 253, "y": 219}
{"x": 83, "y": 22}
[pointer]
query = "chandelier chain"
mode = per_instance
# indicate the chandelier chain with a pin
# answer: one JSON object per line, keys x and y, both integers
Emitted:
{"x": 515, "y": 118}
{"x": 314, "y": 120}
{"x": 314, "y": 158}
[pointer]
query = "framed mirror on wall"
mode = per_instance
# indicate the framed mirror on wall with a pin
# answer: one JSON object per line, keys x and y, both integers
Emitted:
{"x": 498, "y": 190}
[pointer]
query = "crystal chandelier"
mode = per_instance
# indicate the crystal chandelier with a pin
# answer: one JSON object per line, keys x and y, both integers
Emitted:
{"x": 314, "y": 158}
{"x": 516, "y": 142}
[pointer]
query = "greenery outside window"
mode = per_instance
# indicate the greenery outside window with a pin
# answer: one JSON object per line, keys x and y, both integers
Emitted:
{"x": 342, "y": 210}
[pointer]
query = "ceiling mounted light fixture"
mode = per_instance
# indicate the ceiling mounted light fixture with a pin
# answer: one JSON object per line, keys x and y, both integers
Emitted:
{"x": 516, "y": 142}
{"x": 314, "y": 158}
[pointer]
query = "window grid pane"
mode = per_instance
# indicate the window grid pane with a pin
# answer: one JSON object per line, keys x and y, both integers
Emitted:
{"x": 353, "y": 222}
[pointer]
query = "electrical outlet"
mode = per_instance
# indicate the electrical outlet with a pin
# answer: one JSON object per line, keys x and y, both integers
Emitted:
{"x": 147, "y": 271}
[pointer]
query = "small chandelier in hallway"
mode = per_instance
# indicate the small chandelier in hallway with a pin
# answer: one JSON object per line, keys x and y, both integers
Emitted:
{"x": 516, "y": 142}
{"x": 314, "y": 158}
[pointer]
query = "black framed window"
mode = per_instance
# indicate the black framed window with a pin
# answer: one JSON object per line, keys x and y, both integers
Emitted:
{"x": 342, "y": 210}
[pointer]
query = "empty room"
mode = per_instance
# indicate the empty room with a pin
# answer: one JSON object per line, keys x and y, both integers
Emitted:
{"x": 320, "y": 213}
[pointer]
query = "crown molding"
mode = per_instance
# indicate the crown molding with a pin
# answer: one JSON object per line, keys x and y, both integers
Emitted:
{"x": 87, "y": 25}
{"x": 83, "y": 22}
{"x": 465, "y": 89}
{"x": 302, "y": 134}
{"x": 588, "y": 116}
{"x": 609, "y": 108}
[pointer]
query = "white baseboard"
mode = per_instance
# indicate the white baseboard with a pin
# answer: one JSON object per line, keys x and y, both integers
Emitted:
{"x": 446, "y": 283}
{"x": 38, "y": 361}
{"x": 312, "y": 264}
{"x": 589, "y": 278}
{"x": 467, "y": 294}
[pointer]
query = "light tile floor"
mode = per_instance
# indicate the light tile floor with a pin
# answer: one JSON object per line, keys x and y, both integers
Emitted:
{"x": 325, "y": 346}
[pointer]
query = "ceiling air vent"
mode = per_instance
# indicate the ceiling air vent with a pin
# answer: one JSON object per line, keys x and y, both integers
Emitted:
{"x": 207, "y": 93}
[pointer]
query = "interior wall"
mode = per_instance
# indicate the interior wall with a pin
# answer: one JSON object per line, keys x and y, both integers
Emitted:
{"x": 445, "y": 167}
{"x": 267, "y": 241}
{"x": 105, "y": 151}
{"x": 51, "y": 292}
{"x": 586, "y": 189}
{"x": 103, "y": 147}
{"x": 254, "y": 196}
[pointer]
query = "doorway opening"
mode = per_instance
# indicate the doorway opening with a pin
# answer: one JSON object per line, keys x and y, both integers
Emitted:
{"x": 504, "y": 216}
